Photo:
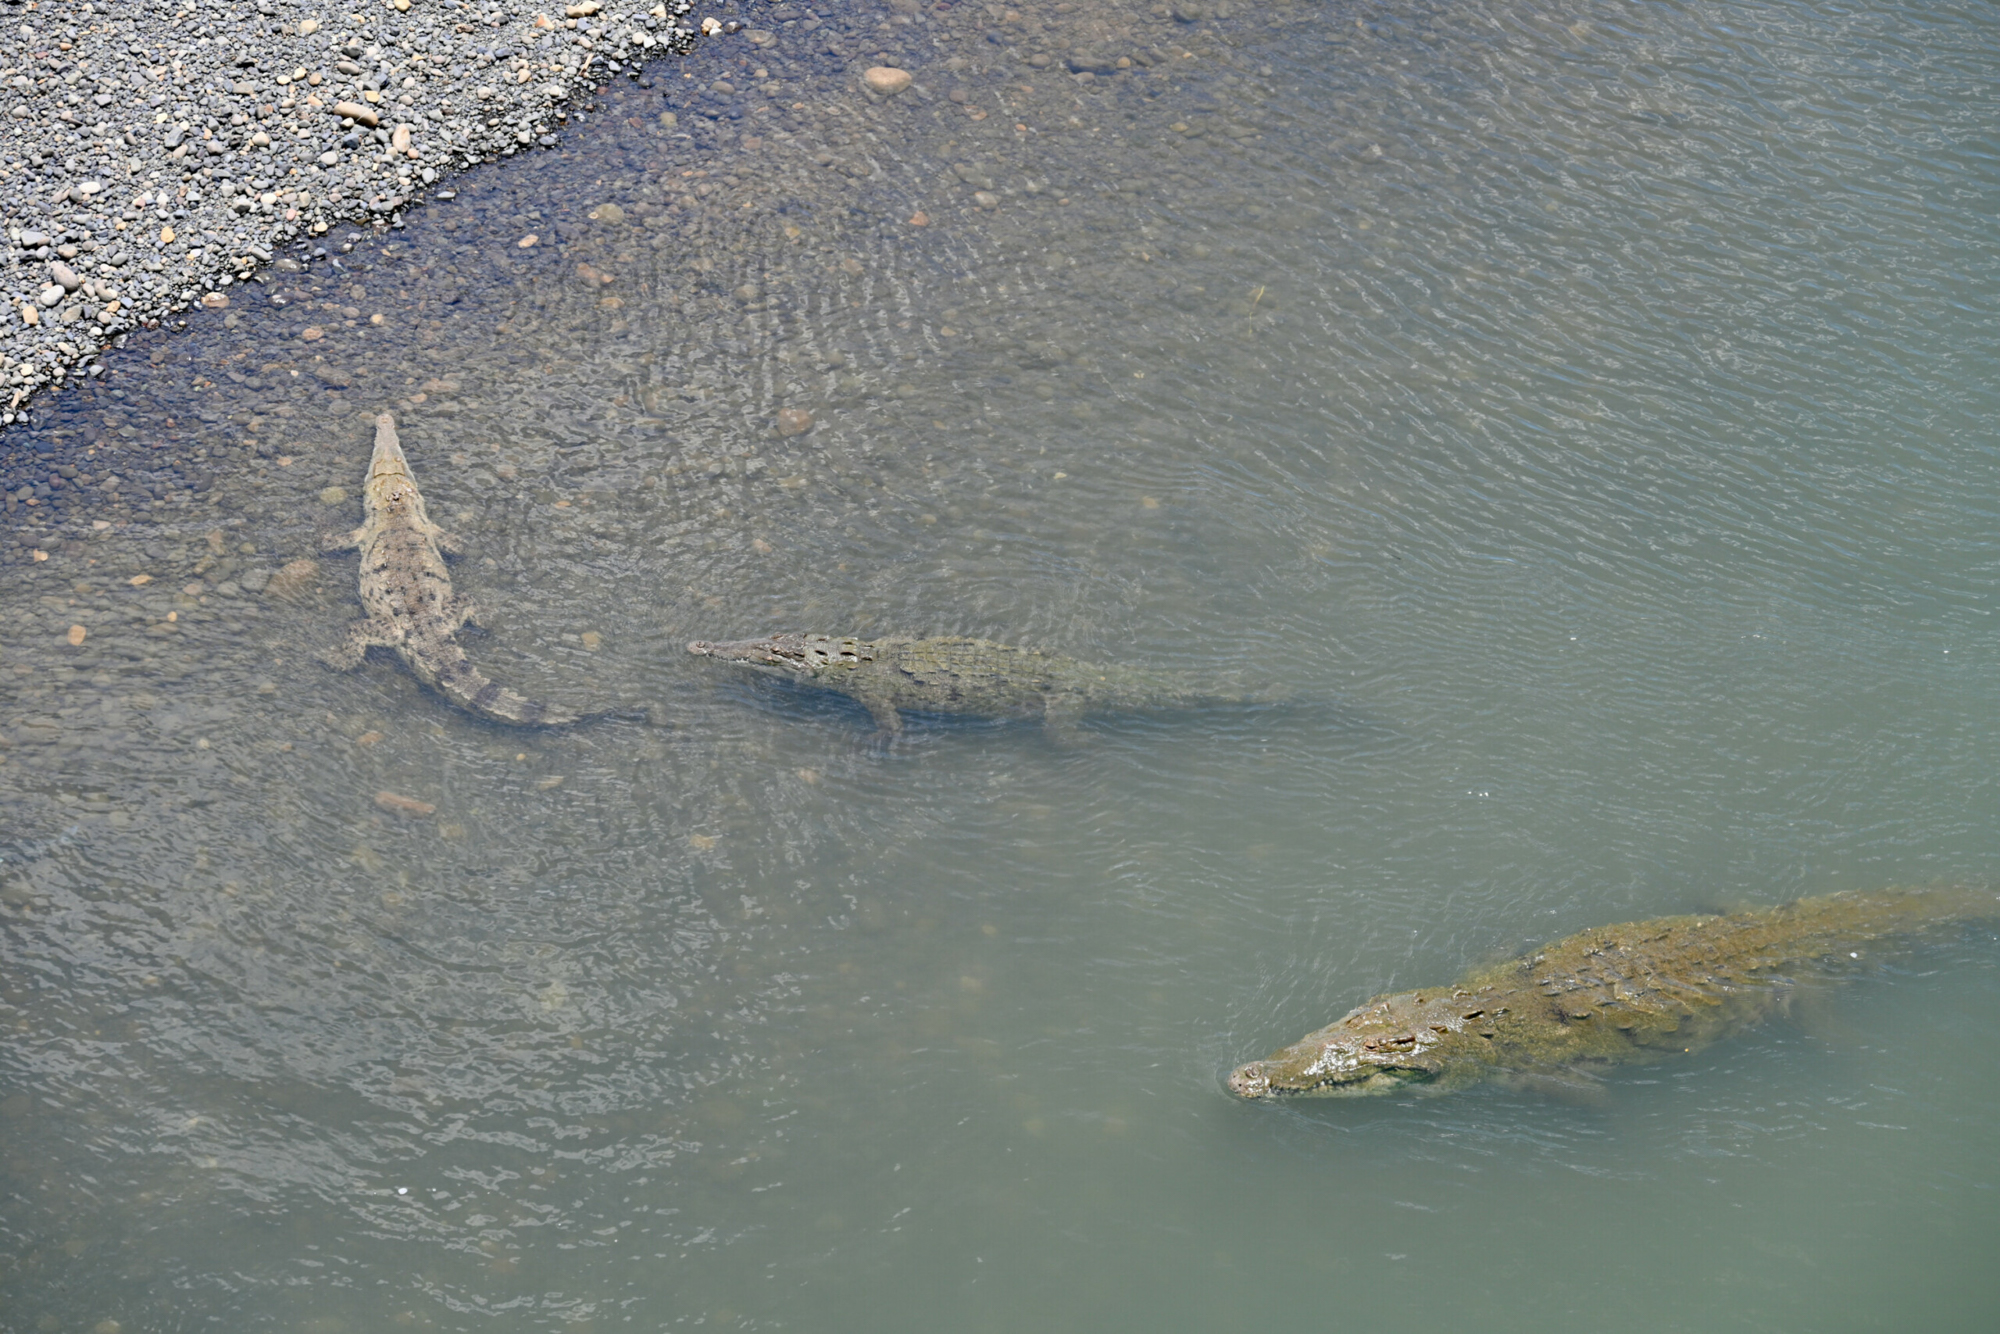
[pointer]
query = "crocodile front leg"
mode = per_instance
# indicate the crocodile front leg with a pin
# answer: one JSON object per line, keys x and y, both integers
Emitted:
{"x": 881, "y": 707}
{"x": 347, "y": 541}
{"x": 1061, "y": 712}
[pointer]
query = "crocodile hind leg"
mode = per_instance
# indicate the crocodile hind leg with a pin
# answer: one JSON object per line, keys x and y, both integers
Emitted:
{"x": 361, "y": 636}
{"x": 462, "y": 612}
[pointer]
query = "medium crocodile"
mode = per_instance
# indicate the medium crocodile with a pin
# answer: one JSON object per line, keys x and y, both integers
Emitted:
{"x": 1642, "y": 991}
{"x": 406, "y": 590}
{"x": 970, "y": 676}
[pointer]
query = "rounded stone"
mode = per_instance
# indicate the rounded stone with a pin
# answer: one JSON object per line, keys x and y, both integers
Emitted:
{"x": 340, "y": 172}
{"x": 295, "y": 578}
{"x": 333, "y": 495}
{"x": 886, "y": 80}
{"x": 794, "y": 421}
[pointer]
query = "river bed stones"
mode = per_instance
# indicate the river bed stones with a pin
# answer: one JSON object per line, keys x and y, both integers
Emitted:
{"x": 698, "y": 208}
{"x": 238, "y": 130}
{"x": 886, "y": 80}
{"x": 293, "y": 579}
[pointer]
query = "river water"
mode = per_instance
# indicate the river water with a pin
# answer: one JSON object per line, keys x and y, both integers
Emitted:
{"x": 1586, "y": 411}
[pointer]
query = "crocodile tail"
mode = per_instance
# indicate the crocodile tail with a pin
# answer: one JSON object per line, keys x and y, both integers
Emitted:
{"x": 475, "y": 692}
{"x": 1903, "y": 910}
{"x": 1270, "y": 694}
{"x": 1231, "y": 688}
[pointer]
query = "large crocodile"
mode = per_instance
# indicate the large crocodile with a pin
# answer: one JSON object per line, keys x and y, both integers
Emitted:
{"x": 1641, "y": 991}
{"x": 406, "y": 590}
{"x": 969, "y": 676}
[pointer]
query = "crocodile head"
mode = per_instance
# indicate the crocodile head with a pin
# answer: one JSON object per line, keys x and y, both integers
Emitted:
{"x": 1407, "y": 1043}
{"x": 390, "y": 488}
{"x": 790, "y": 655}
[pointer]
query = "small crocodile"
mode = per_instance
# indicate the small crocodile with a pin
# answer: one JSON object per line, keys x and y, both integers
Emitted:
{"x": 1638, "y": 992}
{"x": 969, "y": 676}
{"x": 406, "y": 590}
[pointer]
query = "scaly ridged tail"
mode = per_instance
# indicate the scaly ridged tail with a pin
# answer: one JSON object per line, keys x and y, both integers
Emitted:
{"x": 472, "y": 690}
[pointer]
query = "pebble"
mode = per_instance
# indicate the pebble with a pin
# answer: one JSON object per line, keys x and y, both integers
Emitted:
{"x": 333, "y": 495}
{"x": 119, "y": 127}
{"x": 294, "y": 577}
{"x": 886, "y": 80}
{"x": 794, "y": 421}
{"x": 402, "y": 805}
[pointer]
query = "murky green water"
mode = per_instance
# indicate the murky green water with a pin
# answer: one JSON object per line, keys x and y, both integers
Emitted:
{"x": 1588, "y": 412}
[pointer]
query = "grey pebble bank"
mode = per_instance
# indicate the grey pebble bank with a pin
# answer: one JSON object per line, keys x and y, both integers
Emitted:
{"x": 154, "y": 155}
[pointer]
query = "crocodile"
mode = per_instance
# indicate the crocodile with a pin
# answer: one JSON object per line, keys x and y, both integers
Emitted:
{"x": 406, "y": 590}
{"x": 1632, "y": 993}
{"x": 976, "y": 677}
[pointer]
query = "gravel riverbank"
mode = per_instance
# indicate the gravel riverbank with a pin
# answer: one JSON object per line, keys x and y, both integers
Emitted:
{"x": 700, "y": 208}
{"x": 153, "y": 156}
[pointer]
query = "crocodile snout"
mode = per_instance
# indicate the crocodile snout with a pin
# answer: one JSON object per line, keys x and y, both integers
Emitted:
{"x": 1250, "y": 1081}
{"x": 701, "y": 647}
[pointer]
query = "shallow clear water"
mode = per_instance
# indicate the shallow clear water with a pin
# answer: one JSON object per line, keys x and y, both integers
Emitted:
{"x": 1587, "y": 413}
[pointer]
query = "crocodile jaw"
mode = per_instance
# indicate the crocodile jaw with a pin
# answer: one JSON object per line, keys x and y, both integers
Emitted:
{"x": 1336, "y": 1074}
{"x": 389, "y": 482}
{"x": 748, "y": 652}
{"x": 791, "y": 655}
{"x": 1372, "y": 1052}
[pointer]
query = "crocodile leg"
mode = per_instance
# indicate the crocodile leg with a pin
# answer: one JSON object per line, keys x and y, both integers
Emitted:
{"x": 347, "y": 541}
{"x": 1061, "y": 713}
{"x": 462, "y": 612}
{"x": 882, "y": 708}
{"x": 1578, "y": 1088}
{"x": 362, "y": 636}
